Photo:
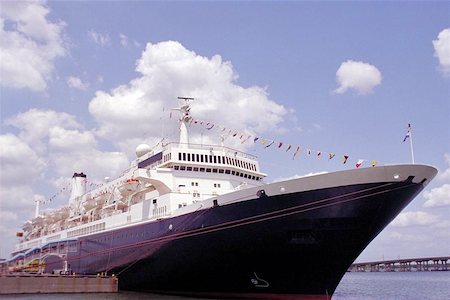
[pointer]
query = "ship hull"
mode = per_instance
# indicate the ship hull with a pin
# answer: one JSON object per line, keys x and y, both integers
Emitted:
{"x": 276, "y": 246}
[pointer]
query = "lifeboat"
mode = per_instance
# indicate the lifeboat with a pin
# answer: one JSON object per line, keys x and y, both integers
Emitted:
{"x": 129, "y": 186}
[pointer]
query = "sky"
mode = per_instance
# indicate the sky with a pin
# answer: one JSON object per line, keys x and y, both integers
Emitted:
{"x": 82, "y": 83}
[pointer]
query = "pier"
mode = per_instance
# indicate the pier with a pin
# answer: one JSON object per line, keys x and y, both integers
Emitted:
{"x": 404, "y": 265}
{"x": 49, "y": 284}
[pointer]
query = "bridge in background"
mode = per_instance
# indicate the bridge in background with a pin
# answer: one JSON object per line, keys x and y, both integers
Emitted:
{"x": 403, "y": 265}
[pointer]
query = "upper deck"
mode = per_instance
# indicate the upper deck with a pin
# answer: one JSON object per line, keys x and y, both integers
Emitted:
{"x": 203, "y": 158}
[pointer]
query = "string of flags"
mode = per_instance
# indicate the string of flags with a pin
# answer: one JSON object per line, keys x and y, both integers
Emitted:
{"x": 67, "y": 188}
{"x": 266, "y": 143}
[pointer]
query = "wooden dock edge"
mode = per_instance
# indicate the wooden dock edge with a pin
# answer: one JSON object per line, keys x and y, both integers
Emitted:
{"x": 50, "y": 284}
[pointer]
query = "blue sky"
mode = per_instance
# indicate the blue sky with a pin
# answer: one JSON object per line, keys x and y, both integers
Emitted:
{"x": 83, "y": 83}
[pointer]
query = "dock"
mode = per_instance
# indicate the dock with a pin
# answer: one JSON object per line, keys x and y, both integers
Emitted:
{"x": 49, "y": 284}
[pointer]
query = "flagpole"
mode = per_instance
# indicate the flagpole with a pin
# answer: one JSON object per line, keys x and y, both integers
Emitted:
{"x": 411, "y": 145}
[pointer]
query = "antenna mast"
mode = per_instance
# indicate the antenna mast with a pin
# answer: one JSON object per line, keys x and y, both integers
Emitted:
{"x": 185, "y": 118}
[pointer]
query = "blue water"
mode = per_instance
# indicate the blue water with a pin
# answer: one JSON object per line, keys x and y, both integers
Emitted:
{"x": 395, "y": 286}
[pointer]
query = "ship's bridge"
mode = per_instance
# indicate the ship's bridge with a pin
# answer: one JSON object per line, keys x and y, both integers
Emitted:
{"x": 204, "y": 159}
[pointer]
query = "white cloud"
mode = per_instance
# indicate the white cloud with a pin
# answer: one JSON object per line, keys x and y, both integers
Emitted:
{"x": 94, "y": 163}
{"x": 8, "y": 216}
{"x": 100, "y": 39}
{"x": 414, "y": 218}
{"x": 35, "y": 126}
{"x": 77, "y": 83}
{"x": 359, "y": 76}
{"x": 123, "y": 40}
{"x": 442, "y": 50}
{"x": 19, "y": 163}
{"x": 445, "y": 175}
{"x": 437, "y": 197}
{"x": 29, "y": 44}
{"x": 405, "y": 237}
{"x": 169, "y": 70}
{"x": 61, "y": 139}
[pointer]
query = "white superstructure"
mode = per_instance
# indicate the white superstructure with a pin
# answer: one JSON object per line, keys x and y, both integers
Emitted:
{"x": 160, "y": 182}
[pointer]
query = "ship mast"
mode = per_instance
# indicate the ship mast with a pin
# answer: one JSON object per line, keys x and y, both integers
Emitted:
{"x": 185, "y": 118}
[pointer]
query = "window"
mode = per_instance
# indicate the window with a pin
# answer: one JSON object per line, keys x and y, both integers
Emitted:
{"x": 188, "y": 168}
{"x": 179, "y": 156}
{"x": 189, "y": 157}
{"x": 215, "y": 159}
{"x": 219, "y": 159}
{"x": 201, "y": 157}
{"x": 197, "y": 157}
{"x": 184, "y": 156}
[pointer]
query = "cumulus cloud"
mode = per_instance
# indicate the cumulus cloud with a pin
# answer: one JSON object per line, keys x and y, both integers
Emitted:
{"x": 442, "y": 50}
{"x": 414, "y": 218}
{"x": 18, "y": 160}
{"x": 359, "y": 76}
{"x": 102, "y": 40}
{"x": 35, "y": 125}
{"x": 59, "y": 139}
{"x": 77, "y": 83}
{"x": 168, "y": 70}
{"x": 29, "y": 44}
{"x": 438, "y": 197}
{"x": 445, "y": 175}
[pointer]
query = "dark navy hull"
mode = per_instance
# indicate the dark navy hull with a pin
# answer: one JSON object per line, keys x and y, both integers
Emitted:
{"x": 285, "y": 246}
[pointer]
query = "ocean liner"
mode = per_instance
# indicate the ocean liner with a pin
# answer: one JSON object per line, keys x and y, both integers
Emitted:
{"x": 199, "y": 220}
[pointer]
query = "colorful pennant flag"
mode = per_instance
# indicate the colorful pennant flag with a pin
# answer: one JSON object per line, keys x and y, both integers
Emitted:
{"x": 296, "y": 151}
{"x": 280, "y": 144}
{"x": 331, "y": 155}
{"x": 288, "y": 148}
{"x": 359, "y": 163}
{"x": 344, "y": 159}
{"x": 255, "y": 139}
{"x": 269, "y": 144}
{"x": 374, "y": 163}
{"x": 243, "y": 141}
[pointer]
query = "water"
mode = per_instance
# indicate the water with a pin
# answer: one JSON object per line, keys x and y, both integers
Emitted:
{"x": 397, "y": 285}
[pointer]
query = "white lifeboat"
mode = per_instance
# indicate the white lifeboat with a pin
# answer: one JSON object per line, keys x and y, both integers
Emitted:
{"x": 89, "y": 202}
{"x": 129, "y": 186}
